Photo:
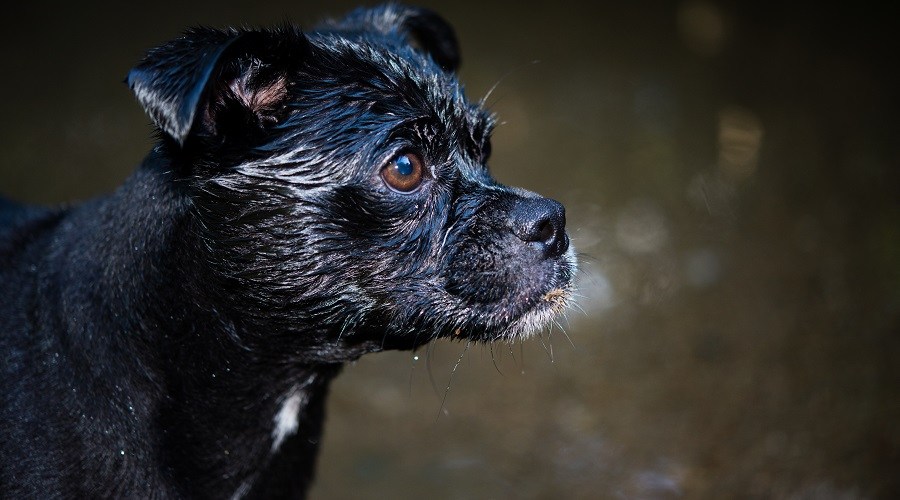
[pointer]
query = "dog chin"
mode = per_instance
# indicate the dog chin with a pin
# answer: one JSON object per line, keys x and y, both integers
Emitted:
{"x": 548, "y": 306}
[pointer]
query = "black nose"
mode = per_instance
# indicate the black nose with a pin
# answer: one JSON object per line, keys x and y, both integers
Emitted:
{"x": 541, "y": 222}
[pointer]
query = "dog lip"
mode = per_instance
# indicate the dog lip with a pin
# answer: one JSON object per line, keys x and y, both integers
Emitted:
{"x": 522, "y": 313}
{"x": 519, "y": 291}
{"x": 548, "y": 305}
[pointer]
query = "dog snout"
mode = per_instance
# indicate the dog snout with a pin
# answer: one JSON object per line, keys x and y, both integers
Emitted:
{"x": 541, "y": 222}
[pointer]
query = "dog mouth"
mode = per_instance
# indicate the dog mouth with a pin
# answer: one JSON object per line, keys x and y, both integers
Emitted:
{"x": 514, "y": 302}
{"x": 544, "y": 312}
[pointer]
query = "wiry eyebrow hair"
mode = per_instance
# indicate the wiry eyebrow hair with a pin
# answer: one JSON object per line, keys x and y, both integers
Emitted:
{"x": 483, "y": 123}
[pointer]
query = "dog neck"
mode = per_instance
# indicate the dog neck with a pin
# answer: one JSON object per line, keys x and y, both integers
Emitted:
{"x": 243, "y": 417}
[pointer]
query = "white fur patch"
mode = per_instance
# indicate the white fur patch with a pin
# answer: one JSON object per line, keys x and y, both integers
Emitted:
{"x": 287, "y": 419}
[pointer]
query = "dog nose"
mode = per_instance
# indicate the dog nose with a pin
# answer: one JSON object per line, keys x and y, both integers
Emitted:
{"x": 541, "y": 222}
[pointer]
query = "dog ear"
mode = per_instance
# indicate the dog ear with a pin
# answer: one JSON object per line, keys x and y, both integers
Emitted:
{"x": 434, "y": 35}
{"x": 422, "y": 28}
{"x": 193, "y": 82}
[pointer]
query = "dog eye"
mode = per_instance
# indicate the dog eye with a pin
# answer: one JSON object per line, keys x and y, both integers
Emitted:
{"x": 404, "y": 173}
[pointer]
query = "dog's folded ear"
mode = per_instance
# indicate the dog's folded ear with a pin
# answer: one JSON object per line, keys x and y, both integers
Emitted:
{"x": 422, "y": 28}
{"x": 193, "y": 83}
{"x": 434, "y": 35}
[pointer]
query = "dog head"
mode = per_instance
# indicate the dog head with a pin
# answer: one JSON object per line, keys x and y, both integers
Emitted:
{"x": 340, "y": 184}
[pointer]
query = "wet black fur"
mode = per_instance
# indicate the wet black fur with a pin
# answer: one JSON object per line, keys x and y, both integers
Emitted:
{"x": 150, "y": 337}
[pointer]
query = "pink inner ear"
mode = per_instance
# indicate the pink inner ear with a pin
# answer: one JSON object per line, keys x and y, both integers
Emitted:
{"x": 261, "y": 99}
{"x": 271, "y": 95}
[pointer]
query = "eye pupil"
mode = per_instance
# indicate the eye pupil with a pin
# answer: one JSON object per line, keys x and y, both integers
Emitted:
{"x": 404, "y": 166}
{"x": 404, "y": 173}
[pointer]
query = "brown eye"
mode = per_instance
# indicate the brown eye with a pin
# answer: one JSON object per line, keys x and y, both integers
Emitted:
{"x": 404, "y": 173}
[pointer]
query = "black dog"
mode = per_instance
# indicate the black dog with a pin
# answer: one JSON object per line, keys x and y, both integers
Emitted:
{"x": 313, "y": 197}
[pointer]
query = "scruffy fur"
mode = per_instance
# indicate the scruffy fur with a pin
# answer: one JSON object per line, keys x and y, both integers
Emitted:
{"x": 177, "y": 337}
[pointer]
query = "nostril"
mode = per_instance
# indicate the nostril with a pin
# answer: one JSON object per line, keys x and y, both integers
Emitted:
{"x": 541, "y": 222}
{"x": 546, "y": 231}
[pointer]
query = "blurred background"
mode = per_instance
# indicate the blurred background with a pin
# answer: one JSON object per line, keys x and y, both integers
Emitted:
{"x": 731, "y": 173}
